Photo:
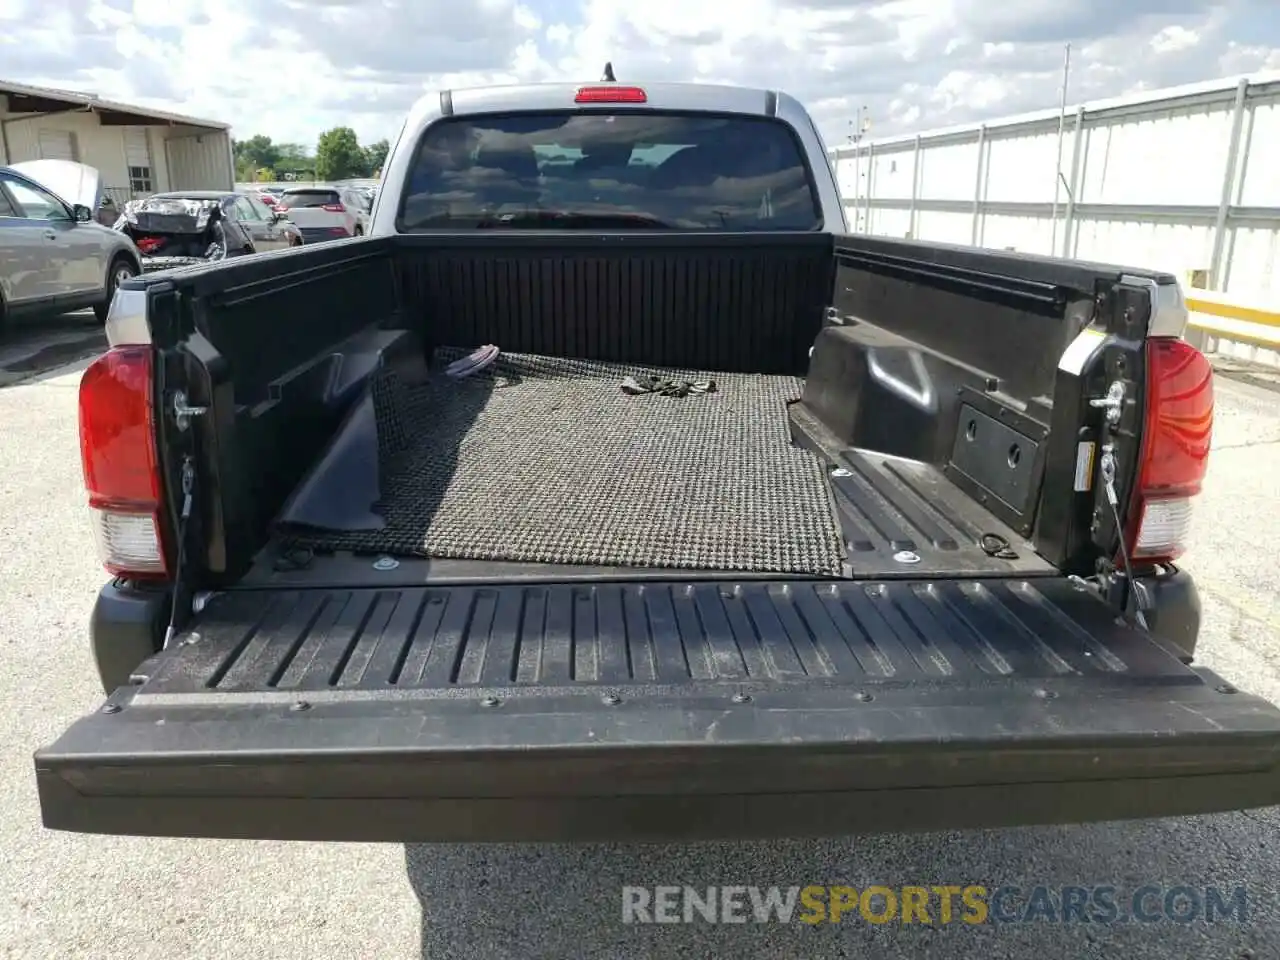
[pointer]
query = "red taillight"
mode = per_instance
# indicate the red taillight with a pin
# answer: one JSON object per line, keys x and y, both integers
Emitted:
{"x": 334, "y": 208}
{"x": 1174, "y": 456}
{"x": 610, "y": 94}
{"x": 282, "y": 207}
{"x": 268, "y": 199}
{"x": 121, "y": 469}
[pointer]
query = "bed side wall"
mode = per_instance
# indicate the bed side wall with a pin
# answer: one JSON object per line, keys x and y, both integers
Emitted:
{"x": 279, "y": 347}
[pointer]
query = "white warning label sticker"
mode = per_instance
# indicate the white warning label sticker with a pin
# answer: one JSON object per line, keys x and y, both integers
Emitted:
{"x": 1085, "y": 452}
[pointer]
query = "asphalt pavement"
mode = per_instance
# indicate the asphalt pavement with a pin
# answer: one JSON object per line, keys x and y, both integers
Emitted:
{"x": 32, "y": 349}
{"x": 78, "y": 897}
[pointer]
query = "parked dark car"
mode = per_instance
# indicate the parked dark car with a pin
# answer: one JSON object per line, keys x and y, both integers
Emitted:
{"x": 197, "y": 226}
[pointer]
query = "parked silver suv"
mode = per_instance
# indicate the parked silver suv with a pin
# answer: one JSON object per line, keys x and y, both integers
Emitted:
{"x": 53, "y": 256}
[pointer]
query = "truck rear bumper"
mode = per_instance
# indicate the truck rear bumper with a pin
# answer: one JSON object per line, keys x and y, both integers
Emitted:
{"x": 657, "y": 711}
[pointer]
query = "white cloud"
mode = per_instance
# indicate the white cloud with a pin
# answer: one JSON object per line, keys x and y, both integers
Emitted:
{"x": 1174, "y": 38}
{"x": 291, "y": 68}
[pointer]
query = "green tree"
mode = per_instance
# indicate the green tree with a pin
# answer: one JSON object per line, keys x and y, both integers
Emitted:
{"x": 258, "y": 151}
{"x": 294, "y": 152}
{"x": 375, "y": 155}
{"x": 338, "y": 155}
{"x": 295, "y": 159}
{"x": 254, "y": 155}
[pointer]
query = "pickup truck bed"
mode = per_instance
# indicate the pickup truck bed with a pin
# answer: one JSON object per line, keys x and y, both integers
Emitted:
{"x": 859, "y": 611}
{"x": 547, "y": 460}
{"x": 543, "y": 460}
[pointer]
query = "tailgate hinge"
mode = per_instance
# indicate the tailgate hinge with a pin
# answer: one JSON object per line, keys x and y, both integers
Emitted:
{"x": 183, "y": 412}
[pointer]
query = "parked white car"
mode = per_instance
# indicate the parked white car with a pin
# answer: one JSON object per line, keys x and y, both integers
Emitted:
{"x": 359, "y": 199}
{"x": 319, "y": 213}
{"x": 54, "y": 257}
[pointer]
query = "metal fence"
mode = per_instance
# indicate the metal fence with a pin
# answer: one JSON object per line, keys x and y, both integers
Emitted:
{"x": 1180, "y": 180}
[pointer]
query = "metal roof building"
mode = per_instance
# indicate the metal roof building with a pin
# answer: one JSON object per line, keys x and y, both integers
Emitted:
{"x": 1180, "y": 179}
{"x": 138, "y": 150}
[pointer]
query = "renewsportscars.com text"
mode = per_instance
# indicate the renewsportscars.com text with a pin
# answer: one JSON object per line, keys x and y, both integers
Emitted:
{"x": 935, "y": 905}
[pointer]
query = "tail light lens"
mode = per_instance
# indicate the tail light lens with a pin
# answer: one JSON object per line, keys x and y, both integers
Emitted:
{"x": 1174, "y": 455}
{"x": 334, "y": 208}
{"x": 282, "y": 207}
{"x": 121, "y": 468}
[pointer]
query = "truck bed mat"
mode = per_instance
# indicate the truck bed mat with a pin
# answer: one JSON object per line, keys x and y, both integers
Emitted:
{"x": 545, "y": 460}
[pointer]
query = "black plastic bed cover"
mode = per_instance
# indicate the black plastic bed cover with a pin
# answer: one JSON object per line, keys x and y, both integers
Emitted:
{"x": 657, "y": 711}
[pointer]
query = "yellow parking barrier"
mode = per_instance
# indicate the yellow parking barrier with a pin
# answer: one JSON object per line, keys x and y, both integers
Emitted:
{"x": 1226, "y": 317}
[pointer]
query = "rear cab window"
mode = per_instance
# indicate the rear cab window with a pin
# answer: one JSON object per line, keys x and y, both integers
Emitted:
{"x": 309, "y": 198}
{"x": 650, "y": 169}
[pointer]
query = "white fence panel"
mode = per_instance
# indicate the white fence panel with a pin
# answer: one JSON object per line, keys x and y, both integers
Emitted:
{"x": 1181, "y": 180}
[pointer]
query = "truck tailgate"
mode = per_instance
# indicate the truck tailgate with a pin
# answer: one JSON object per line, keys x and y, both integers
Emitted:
{"x": 656, "y": 710}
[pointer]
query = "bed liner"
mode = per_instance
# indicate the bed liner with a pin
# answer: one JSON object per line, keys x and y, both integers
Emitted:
{"x": 545, "y": 460}
{"x": 544, "y": 467}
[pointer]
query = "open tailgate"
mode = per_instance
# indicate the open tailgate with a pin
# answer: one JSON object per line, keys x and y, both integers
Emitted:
{"x": 656, "y": 710}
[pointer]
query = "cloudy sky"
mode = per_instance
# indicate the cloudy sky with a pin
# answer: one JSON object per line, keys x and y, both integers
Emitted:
{"x": 291, "y": 68}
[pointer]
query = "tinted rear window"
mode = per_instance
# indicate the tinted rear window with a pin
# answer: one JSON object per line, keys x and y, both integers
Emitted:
{"x": 310, "y": 198}
{"x": 649, "y": 169}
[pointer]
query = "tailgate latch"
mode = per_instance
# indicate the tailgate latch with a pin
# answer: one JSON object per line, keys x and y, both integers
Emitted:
{"x": 183, "y": 412}
{"x": 1112, "y": 403}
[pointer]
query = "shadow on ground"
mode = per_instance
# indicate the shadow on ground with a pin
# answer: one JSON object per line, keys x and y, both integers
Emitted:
{"x": 32, "y": 350}
{"x": 566, "y": 901}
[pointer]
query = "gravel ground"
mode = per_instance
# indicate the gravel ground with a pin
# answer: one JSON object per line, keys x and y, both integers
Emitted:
{"x": 71, "y": 896}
